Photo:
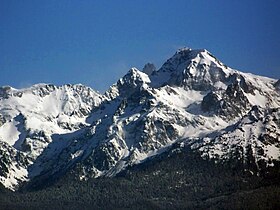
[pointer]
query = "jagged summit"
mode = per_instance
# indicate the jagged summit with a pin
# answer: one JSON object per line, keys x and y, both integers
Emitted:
{"x": 133, "y": 78}
{"x": 132, "y": 81}
{"x": 197, "y": 69}
{"x": 149, "y": 68}
{"x": 187, "y": 50}
{"x": 186, "y": 56}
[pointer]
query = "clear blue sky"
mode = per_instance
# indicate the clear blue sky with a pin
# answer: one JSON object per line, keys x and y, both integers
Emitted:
{"x": 96, "y": 42}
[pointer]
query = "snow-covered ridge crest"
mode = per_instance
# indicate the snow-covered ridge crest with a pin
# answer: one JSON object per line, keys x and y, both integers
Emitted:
{"x": 31, "y": 116}
{"x": 48, "y": 98}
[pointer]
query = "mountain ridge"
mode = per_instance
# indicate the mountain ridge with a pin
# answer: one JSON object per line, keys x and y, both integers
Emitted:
{"x": 193, "y": 98}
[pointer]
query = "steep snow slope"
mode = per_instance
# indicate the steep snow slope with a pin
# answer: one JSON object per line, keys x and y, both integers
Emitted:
{"x": 255, "y": 137}
{"x": 31, "y": 116}
{"x": 193, "y": 98}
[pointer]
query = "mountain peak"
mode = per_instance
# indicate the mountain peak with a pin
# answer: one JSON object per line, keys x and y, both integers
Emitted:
{"x": 192, "y": 68}
{"x": 187, "y": 55}
{"x": 133, "y": 78}
{"x": 190, "y": 50}
{"x": 149, "y": 68}
{"x": 183, "y": 49}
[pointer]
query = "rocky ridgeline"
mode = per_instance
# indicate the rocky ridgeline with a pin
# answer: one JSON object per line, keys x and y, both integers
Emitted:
{"x": 193, "y": 100}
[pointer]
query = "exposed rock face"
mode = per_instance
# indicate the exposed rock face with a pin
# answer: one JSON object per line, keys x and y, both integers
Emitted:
{"x": 277, "y": 85}
{"x": 5, "y": 91}
{"x": 13, "y": 166}
{"x": 194, "y": 69}
{"x": 211, "y": 102}
{"x": 149, "y": 68}
{"x": 229, "y": 103}
{"x": 2, "y": 120}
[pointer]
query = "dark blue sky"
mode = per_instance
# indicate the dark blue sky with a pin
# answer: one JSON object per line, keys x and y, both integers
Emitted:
{"x": 96, "y": 42}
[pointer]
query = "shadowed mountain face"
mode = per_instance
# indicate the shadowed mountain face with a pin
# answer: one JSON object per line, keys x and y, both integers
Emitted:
{"x": 193, "y": 101}
{"x": 176, "y": 179}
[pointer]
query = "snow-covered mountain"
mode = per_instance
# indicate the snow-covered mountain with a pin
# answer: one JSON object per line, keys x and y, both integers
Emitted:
{"x": 192, "y": 100}
{"x": 29, "y": 119}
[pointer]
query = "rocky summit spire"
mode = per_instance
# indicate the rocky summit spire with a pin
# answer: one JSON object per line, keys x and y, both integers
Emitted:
{"x": 149, "y": 68}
